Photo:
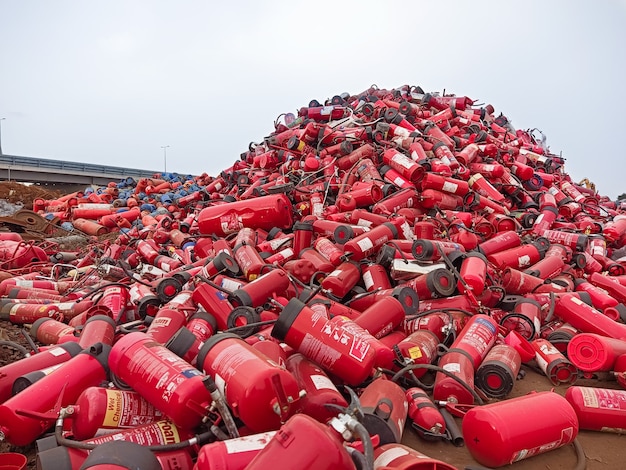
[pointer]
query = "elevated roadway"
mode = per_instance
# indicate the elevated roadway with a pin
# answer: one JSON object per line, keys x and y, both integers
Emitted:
{"x": 60, "y": 172}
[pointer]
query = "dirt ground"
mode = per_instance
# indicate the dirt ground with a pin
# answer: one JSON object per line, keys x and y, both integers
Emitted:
{"x": 22, "y": 195}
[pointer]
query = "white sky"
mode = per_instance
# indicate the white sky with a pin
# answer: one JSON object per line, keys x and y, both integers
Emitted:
{"x": 112, "y": 81}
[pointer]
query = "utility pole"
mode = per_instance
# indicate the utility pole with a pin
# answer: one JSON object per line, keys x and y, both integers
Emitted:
{"x": 164, "y": 147}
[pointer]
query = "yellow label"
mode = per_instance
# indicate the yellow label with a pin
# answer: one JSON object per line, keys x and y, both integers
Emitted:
{"x": 415, "y": 352}
{"x": 169, "y": 432}
{"x": 115, "y": 402}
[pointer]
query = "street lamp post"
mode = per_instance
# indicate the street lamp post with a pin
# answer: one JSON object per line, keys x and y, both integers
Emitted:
{"x": 1, "y": 119}
{"x": 164, "y": 147}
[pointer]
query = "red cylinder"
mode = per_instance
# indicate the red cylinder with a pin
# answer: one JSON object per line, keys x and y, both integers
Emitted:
{"x": 171, "y": 317}
{"x": 434, "y": 284}
{"x": 518, "y": 257}
{"x": 266, "y": 213}
{"x": 259, "y": 392}
{"x": 420, "y": 347}
{"x": 464, "y": 356}
{"x": 319, "y": 389}
{"x": 342, "y": 279}
{"x": 50, "y": 331}
{"x": 591, "y": 352}
{"x": 97, "y": 329}
{"x": 554, "y": 364}
{"x": 497, "y": 374}
{"x": 585, "y": 318}
{"x": 257, "y": 292}
{"x": 303, "y": 442}
{"x": 474, "y": 272}
{"x": 120, "y": 455}
{"x": 403, "y": 165}
{"x": 375, "y": 277}
{"x": 327, "y": 342}
{"x": 401, "y": 457}
{"x": 382, "y": 317}
{"x": 370, "y": 242}
{"x": 447, "y": 185}
{"x": 525, "y": 319}
{"x": 499, "y": 434}
{"x": 502, "y": 241}
{"x": 42, "y": 360}
{"x": 232, "y": 454}
{"x": 598, "y": 409}
{"x": 385, "y": 406}
{"x": 426, "y": 418}
{"x": 162, "y": 378}
{"x": 85, "y": 369}
{"x": 101, "y": 408}
{"x": 215, "y": 302}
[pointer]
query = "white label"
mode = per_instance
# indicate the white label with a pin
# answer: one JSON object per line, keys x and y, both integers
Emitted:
{"x": 23, "y": 283}
{"x": 364, "y": 223}
{"x": 57, "y": 351}
{"x": 248, "y": 443}
{"x": 368, "y": 280}
{"x": 365, "y": 244}
{"x": 335, "y": 273}
{"x": 399, "y": 181}
{"x": 220, "y": 383}
{"x": 523, "y": 261}
{"x": 230, "y": 285}
{"x": 452, "y": 367}
{"x": 322, "y": 382}
{"x": 389, "y": 456}
{"x": 402, "y": 161}
{"x": 450, "y": 187}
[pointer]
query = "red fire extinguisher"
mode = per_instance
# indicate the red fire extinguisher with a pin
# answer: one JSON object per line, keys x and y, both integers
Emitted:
{"x": 331, "y": 344}
{"x": 598, "y": 409}
{"x": 385, "y": 407}
{"x": 401, "y": 457}
{"x": 166, "y": 381}
{"x": 425, "y": 416}
{"x": 464, "y": 356}
{"x": 320, "y": 390}
{"x": 232, "y": 454}
{"x": 88, "y": 368}
{"x": 102, "y": 408}
{"x": 260, "y": 392}
{"x": 267, "y": 212}
{"x": 303, "y": 442}
{"x": 500, "y": 433}
{"x": 43, "y": 359}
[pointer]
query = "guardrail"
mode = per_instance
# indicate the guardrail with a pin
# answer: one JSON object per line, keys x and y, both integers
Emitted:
{"x": 62, "y": 165}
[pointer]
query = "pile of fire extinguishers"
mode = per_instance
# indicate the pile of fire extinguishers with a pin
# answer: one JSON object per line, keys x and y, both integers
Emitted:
{"x": 381, "y": 258}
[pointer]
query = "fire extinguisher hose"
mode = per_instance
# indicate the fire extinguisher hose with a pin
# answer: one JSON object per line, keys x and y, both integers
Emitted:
{"x": 16, "y": 346}
{"x": 368, "y": 447}
{"x": 198, "y": 439}
{"x": 410, "y": 367}
{"x": 580, "y": 456}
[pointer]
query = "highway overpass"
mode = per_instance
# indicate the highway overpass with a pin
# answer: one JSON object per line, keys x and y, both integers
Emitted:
{"x": 60, "y": 172}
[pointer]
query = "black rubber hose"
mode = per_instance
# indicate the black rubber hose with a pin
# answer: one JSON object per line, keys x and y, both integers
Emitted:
{"x": 63, "y": 441}
{"x": 404, "y": 370}
{"x": 18, "y": 347}
{"x": 368, "y": 448}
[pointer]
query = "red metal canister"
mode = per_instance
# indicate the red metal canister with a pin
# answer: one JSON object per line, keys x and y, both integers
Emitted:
{"x": 327, "y": 342}
{"x": 508, "y": 431}
{"x": 259, "y": 392}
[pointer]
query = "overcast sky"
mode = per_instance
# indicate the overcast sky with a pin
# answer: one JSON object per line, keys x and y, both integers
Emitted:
{"x": 113, "y": 81}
